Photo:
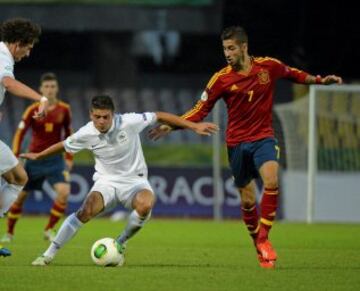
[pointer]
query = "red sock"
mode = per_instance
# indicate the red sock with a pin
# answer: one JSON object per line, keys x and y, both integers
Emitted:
{"x": 13, "y": 215}
{"x": 251, "y": 220}
{"x": 56, "y": 212}
{"x": 269, "y": 204}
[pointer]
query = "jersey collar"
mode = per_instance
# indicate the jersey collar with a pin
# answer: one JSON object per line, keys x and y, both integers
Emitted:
{"x": 115, "y": 124}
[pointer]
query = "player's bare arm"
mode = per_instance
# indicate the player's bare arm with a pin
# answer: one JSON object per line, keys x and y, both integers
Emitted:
{"x": 54, "y": 149}
{"x": 201, "y": 128}
{"x": 163, "y": 130}
{"x": 19, "y": 89}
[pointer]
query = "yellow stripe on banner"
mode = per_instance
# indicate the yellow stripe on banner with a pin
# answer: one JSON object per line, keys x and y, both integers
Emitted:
{"x": 266, "y": 222}
{"x": 256, "y": 230}
{"x": 56, "y": 213}
{"x": 13, "y": 216}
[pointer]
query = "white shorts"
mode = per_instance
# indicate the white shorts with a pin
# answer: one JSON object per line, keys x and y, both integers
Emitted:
{"x": 122, "y": 192}
{"x": 7, "y": 158}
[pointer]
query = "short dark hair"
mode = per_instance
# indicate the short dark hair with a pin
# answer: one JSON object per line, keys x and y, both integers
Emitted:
{"x": 49, "y": 76}
{"x": 102, "y": 102}
{"x": 235, "y": 32}
{"x": 20, "y": 30}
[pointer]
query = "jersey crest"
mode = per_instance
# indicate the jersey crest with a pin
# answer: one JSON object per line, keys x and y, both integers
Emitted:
{"x": 263, "y": 77}
{"x": 122, "y": 137}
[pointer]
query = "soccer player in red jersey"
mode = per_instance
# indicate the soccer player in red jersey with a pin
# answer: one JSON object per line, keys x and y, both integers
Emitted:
{"x": 45, "y": 132}
{"x": 246, "y": 85}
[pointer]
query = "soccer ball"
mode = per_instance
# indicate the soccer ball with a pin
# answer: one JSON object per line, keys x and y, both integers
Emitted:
{"x": 106, "y": 252}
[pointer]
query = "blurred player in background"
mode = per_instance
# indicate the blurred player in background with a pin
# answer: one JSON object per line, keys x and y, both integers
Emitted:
{"x": 45, "y": 132}
{"x": 246, "y": 85}
{"x": 120, "y": 168}
{"x": 18, "y": 38}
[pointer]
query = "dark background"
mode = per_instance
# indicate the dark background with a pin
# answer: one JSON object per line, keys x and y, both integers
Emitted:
{"x": 319, "y": 36}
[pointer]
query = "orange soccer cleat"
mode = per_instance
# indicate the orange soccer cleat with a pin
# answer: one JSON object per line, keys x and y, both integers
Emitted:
{"x": 265, "y": 264}
{"x": 266, "y": 250}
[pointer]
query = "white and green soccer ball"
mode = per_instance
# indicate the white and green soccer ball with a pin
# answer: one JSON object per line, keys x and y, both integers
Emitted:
{"x": 107, "y": 252}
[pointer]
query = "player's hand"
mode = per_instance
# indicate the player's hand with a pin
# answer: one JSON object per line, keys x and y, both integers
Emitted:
{"x": 205, "y": 128}
{"x": 159, "y": 131}
{"x": 331, "y": 79}
{"x": 21, "y": 160}
{"x": 41, "y": 112}
{"x": 30, "y": 156}
{"x": 69, "y": 164}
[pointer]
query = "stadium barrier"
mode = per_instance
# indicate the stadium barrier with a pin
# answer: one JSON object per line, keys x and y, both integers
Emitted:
{"x": 181, "y": 192}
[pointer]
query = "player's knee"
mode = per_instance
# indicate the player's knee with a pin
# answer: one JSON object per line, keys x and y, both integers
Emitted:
{"x": 14, "y": 178}
{"x": 62, "y": 200}
{"x": 62, "y": 196}
{"x": 144, "y": 206}
{"x": 21, "y": 179}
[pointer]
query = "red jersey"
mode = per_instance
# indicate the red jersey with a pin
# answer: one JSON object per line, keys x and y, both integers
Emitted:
{"x": 53, "y": 128}
{"x": 248, "y": 97}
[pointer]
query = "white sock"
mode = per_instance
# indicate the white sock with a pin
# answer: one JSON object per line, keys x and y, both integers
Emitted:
{"x": 8, "y": 194}
{"x": 68, "y": 229}
{"x": 135, "y": 223}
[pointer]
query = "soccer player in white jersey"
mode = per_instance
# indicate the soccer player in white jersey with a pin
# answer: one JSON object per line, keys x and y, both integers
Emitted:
{"x": 18, "y": 38}
{"x": 120, "y": 168}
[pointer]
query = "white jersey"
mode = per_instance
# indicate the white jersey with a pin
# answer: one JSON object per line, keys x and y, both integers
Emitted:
{"x": 118, "y": 153}
{"x": 8, "y": 160}
{"x": 6, "y": 67}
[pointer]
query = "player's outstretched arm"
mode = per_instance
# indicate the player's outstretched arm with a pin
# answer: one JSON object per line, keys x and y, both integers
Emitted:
{"x": 54, "y": 149}
{"x": 202, "y": 128}
{"x": 21, "y": 90}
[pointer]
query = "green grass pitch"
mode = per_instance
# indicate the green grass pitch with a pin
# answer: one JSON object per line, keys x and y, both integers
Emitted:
{"x": 188, "y": 255}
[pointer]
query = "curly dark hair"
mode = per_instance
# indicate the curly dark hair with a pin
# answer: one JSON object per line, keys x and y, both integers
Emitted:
{"x": 20, "y": 30}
